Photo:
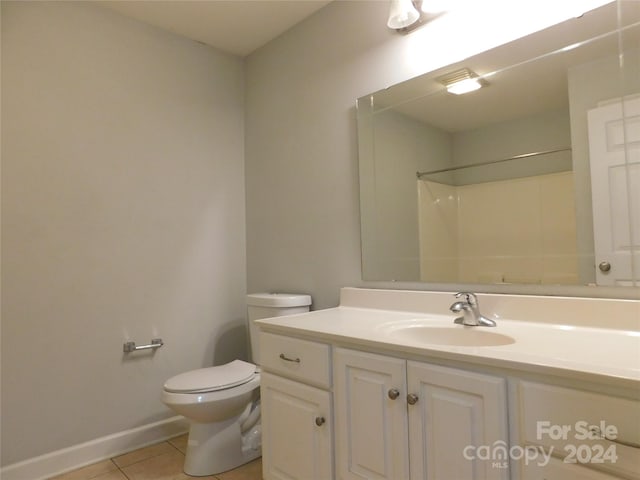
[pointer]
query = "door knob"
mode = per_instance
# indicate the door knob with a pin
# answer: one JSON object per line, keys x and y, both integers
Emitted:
{"x": 412, "y": 399}
{"x": 604, "y": 266}
{"x": 393, "y": 393}
{"x": 320, "y": 421}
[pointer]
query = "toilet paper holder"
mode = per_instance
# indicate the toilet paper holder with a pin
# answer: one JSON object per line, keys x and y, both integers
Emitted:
{"x": 129, "y": 347}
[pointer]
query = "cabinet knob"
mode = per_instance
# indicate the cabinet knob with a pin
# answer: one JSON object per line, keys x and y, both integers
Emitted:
{"x": 393, "y": 393}
{"x": 289, "y": 359}
{"x": 604, "y": 266}
{"x": 320, "y": 421}
{"x": 412, "y": 399}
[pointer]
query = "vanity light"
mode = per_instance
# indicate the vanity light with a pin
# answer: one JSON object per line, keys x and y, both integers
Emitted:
{"x": 407, "y": 15}
{"x": 402, "y": 14}
{"x": 462, "y": 81}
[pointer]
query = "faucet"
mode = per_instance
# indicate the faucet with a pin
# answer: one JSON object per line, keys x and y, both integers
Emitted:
{"x": 471, "y": 315}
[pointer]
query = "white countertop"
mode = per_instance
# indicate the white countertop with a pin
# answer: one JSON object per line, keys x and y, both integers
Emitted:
{"x": 588, "y": 353}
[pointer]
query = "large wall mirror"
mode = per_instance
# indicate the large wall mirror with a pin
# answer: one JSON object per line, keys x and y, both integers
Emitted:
{"x": 532, "y": 179}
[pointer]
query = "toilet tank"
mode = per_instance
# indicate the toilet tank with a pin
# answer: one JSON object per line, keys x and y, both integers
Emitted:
{"x": 267, "y": 305}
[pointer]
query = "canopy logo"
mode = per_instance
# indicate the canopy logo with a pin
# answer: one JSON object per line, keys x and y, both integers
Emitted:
{"x": 499, "y": 454}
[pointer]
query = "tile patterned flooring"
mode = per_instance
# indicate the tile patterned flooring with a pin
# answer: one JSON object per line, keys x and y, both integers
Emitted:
{"x": 162, "y": 461}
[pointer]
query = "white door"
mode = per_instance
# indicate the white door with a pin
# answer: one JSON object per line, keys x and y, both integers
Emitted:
{"x": 614, "y": 150}
{"x": 457, "y": 424}
{"x": 296, "y": 430}
{"x": 371, "y": 416}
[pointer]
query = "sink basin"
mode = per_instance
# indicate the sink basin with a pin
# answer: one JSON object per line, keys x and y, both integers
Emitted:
{"x": 454, "y": 335}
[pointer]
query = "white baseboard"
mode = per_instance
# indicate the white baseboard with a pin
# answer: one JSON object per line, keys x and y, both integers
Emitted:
{"x": 77, "y": 456}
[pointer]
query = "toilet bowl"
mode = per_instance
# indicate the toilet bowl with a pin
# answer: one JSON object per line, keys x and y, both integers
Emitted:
{"x": 222, "y": 402}
{"x": 218, "y": 401}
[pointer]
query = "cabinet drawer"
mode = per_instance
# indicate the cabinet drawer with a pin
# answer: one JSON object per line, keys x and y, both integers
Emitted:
{"x": 561, "y": 419}
{"x": 298, "y": 359}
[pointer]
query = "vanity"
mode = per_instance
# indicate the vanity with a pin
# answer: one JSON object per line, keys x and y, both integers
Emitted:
{"x": 387, "y": 386}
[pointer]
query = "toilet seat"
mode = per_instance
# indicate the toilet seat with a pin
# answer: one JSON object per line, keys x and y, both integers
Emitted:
{"x": 212, "y": 379}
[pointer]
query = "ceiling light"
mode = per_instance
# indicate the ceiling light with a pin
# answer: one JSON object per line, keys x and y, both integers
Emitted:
{"x": 462, "y": 81}
{"x": 464, "y": 86}
{"x": 402, "y": 14}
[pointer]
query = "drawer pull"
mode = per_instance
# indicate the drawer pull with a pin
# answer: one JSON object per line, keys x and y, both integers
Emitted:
{"x": 412, "y": 399}
{"x": 287, "y": 359}
{"x": 320, "y": 421}
{"x": 393, "y": 393}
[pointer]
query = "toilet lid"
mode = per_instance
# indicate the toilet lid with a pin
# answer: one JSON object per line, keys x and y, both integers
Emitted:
{"x": 212, "y": 378}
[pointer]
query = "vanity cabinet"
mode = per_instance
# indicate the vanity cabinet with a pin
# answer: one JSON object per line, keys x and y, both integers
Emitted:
{"x": 334, "y": 412}
{"x": 297, "y": 416}
{"x": 399, "y": 419}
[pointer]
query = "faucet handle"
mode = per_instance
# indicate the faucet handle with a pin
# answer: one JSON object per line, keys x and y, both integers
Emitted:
{"x": 469, "y": 297}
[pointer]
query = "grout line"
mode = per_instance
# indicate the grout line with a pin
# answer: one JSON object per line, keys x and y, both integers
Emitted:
{"x": 114, "y": 464}
{"x": 169, "y": 442}
{"x": 119, "y": 469}
{"x": 142, "y": 459}
{"x": 124, "y": 474}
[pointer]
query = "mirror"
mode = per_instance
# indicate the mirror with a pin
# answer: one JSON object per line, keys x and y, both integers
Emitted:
{"x": 532, "y": 179}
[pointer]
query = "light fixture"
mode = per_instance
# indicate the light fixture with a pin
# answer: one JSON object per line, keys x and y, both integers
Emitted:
{"x": 462, "y": 81}
{"x": 407, "y": 15}
{"x": 464, "y": 86}
{"x": 402, "y": 14}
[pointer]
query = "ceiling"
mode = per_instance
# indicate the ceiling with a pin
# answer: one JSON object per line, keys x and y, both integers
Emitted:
{"x": 234, "y": 26}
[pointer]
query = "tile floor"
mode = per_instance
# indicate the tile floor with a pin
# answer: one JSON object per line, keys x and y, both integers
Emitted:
{"x": 162, "y": 461}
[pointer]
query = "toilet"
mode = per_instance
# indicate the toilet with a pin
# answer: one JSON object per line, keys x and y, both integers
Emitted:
{"x": 222, "y": 403}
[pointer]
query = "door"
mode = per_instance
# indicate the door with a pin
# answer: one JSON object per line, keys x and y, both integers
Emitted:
{"x": 614, "y": 152}
{"x": 457, "y": 424}
{"x": 296, "y": 430}
{"x": 371, "y": 416}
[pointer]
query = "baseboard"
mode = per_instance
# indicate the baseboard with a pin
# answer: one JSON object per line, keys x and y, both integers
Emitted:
{"x": 77, "y": 456}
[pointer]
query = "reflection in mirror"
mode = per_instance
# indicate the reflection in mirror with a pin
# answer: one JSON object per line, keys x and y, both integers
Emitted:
{"x": 532, "y": 179}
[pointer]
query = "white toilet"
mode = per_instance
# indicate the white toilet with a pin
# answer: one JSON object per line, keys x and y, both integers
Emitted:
{"x": 222, "y": 403}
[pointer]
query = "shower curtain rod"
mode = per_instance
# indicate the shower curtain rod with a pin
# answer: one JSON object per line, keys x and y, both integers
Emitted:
{"x": 516, "y": 157}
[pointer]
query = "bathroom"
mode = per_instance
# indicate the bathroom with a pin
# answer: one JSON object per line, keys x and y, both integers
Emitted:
{"x": 150, "y": 182}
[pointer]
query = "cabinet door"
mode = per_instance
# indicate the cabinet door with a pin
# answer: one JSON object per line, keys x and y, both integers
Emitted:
{"x": 455, "y": 413}
{"x": 296, "y": 430}
{"x": 371, "y": 416}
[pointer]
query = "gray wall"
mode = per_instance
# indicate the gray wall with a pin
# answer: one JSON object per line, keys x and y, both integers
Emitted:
{"x": 402, "y": 146}
{"x": 122, "y": 219}
{"x": 540, "y": 132}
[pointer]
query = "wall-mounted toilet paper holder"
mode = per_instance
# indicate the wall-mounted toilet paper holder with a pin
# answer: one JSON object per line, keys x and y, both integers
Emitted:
{"x": 129, "y": 347}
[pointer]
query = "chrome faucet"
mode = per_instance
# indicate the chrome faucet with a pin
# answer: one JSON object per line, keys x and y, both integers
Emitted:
{"x": 471, "y": 315}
